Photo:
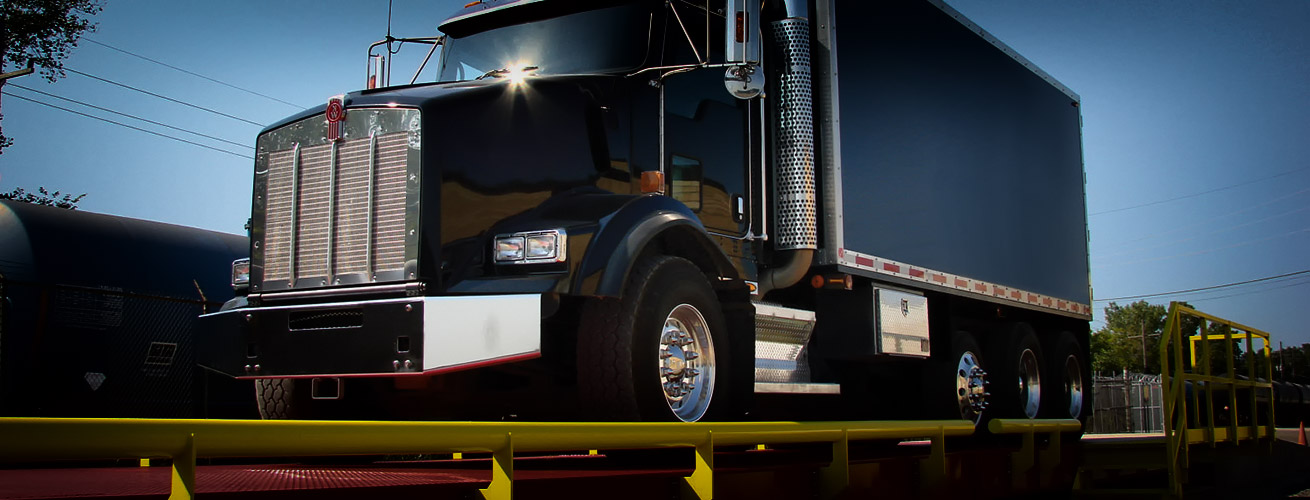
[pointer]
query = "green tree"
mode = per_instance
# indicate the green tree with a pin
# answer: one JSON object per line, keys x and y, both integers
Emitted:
{"x": 1132, "y": 337}
{"x": 43, "y": 197}
{"x": 1113, "y": 352}
{"x": 41, "y": 33}
{"x": 1128, "y": 330}
{"x": 1292, "y": 363}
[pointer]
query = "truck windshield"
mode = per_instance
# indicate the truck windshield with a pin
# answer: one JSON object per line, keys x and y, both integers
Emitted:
{"x": 596, "y": 41}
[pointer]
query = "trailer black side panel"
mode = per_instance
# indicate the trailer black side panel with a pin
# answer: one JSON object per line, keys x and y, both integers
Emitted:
{"x": 98, "y": 314}
{"x": 955, "y": 156}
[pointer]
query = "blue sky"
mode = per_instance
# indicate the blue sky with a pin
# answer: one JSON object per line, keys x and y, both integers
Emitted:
{"x": 1196, "y": 110}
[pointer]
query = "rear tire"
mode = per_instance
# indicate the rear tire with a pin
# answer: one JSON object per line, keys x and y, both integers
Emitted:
{"x": 660, "y": 353}
{"x": 962, "y": 373}
{"x": 1017, "y": 384}
{"x": 1070, "y": 373}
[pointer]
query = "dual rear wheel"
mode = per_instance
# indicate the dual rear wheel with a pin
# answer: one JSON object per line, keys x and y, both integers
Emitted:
{"x": 1015, "y": 377}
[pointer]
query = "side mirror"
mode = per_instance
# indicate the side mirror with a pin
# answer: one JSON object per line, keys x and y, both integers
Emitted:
{"x": 745, "y": 81}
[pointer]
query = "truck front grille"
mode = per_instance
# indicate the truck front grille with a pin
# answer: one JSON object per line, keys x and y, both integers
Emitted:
{"x": 337, "y": 213}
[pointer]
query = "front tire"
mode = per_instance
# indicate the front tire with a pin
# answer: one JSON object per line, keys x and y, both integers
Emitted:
{"x": 292, "y": 399}
{"x": 660, "y": 352}
{"x": 276, "y": 398}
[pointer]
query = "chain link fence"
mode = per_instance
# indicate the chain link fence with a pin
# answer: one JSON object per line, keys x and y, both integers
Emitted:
{"x": 1131, "y": 402}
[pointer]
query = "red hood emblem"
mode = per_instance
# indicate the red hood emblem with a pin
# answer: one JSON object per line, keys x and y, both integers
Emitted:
{"x": 336, "y": 113}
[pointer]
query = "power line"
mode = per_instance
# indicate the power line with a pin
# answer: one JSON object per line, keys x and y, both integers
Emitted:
{"x": 197, "y": 75}
{"x": 1206, "y": 223}
{"x": 119, "y": 113}
{"x": 1193, "y": 195}
{"x": 1190, "y": 238}
{"x": 1251, "y": 292}
{"x": 166, "y": 98}
{"x": 1208, "y": 250}
{"x": 166, "y": 136}
{"x": 1215, "y": 287}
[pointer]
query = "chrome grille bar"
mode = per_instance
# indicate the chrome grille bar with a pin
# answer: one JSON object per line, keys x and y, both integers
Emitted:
{"x": 295, "y": 207}
{"x": 372, "y": 175}
{"x": 332, "y": 209}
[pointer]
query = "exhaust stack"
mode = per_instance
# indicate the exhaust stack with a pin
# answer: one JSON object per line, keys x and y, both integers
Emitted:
{"x": 797, "y": 218}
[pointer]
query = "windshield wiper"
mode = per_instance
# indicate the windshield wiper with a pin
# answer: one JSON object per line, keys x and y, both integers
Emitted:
{"x": 500, "y": 73}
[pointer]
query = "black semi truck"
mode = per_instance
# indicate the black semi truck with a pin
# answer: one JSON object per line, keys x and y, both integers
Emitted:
{"x": 658, "y": 210}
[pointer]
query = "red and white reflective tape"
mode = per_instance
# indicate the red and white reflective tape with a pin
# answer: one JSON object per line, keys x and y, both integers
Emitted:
{"x": 947, "y": 280}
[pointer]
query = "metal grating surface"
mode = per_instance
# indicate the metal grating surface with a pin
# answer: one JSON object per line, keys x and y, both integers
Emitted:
{"x": 781, "y": 335}
{"x": 324, "y": 216}
{"x": 797, "y": 213}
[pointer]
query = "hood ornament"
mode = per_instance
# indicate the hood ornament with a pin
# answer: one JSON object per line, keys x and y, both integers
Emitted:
{"x": 336, "y": 113}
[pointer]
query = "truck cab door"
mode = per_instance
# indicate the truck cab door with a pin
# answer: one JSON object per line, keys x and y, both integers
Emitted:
{"x": 707, "y": 152}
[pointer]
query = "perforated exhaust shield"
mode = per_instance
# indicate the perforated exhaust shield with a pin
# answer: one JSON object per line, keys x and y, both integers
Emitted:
{"x": 794, "y": 156}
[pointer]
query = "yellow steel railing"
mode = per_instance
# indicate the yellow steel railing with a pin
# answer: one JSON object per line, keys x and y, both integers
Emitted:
{"x": 37, "y": 439}
{"x": 1188, "y": 420}
{"x": 32, "y": 439}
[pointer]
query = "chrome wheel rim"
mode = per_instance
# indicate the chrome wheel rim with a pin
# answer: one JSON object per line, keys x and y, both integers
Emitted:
{"x": 1030, "y": 383}
{"x": 686, "y": 363}
{"x": 970, "y": 387}
{"x": 1073, "y": 385}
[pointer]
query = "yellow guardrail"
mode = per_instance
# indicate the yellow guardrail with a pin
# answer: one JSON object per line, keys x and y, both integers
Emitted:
{"x": 1186, "y": 420}
{"x": 1030, "y": 464}
{"x": 35, "y": 439}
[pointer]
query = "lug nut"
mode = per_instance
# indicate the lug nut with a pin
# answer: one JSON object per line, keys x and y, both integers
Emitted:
{"x": 395, "y": 364}
{"x": 409, "y": 365}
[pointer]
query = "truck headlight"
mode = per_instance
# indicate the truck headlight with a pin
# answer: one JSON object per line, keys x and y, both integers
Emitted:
{"x": 240, "y": 273}
{"x": 533, "y": 247}
{"x": 509, "y": 249}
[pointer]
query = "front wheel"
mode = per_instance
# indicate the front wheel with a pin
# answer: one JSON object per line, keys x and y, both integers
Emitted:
{"x": 276, "y": 399}
{"x": 659, "y": 353}
{"x": 293, "y": 399}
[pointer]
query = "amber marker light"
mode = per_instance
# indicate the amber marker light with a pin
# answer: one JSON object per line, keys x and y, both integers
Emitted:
{"x": 741, "y": 27}
{"x": 652, "y": 181}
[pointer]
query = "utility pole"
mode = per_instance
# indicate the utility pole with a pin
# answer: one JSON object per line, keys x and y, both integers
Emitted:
{"x": 1143, "y": 332}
